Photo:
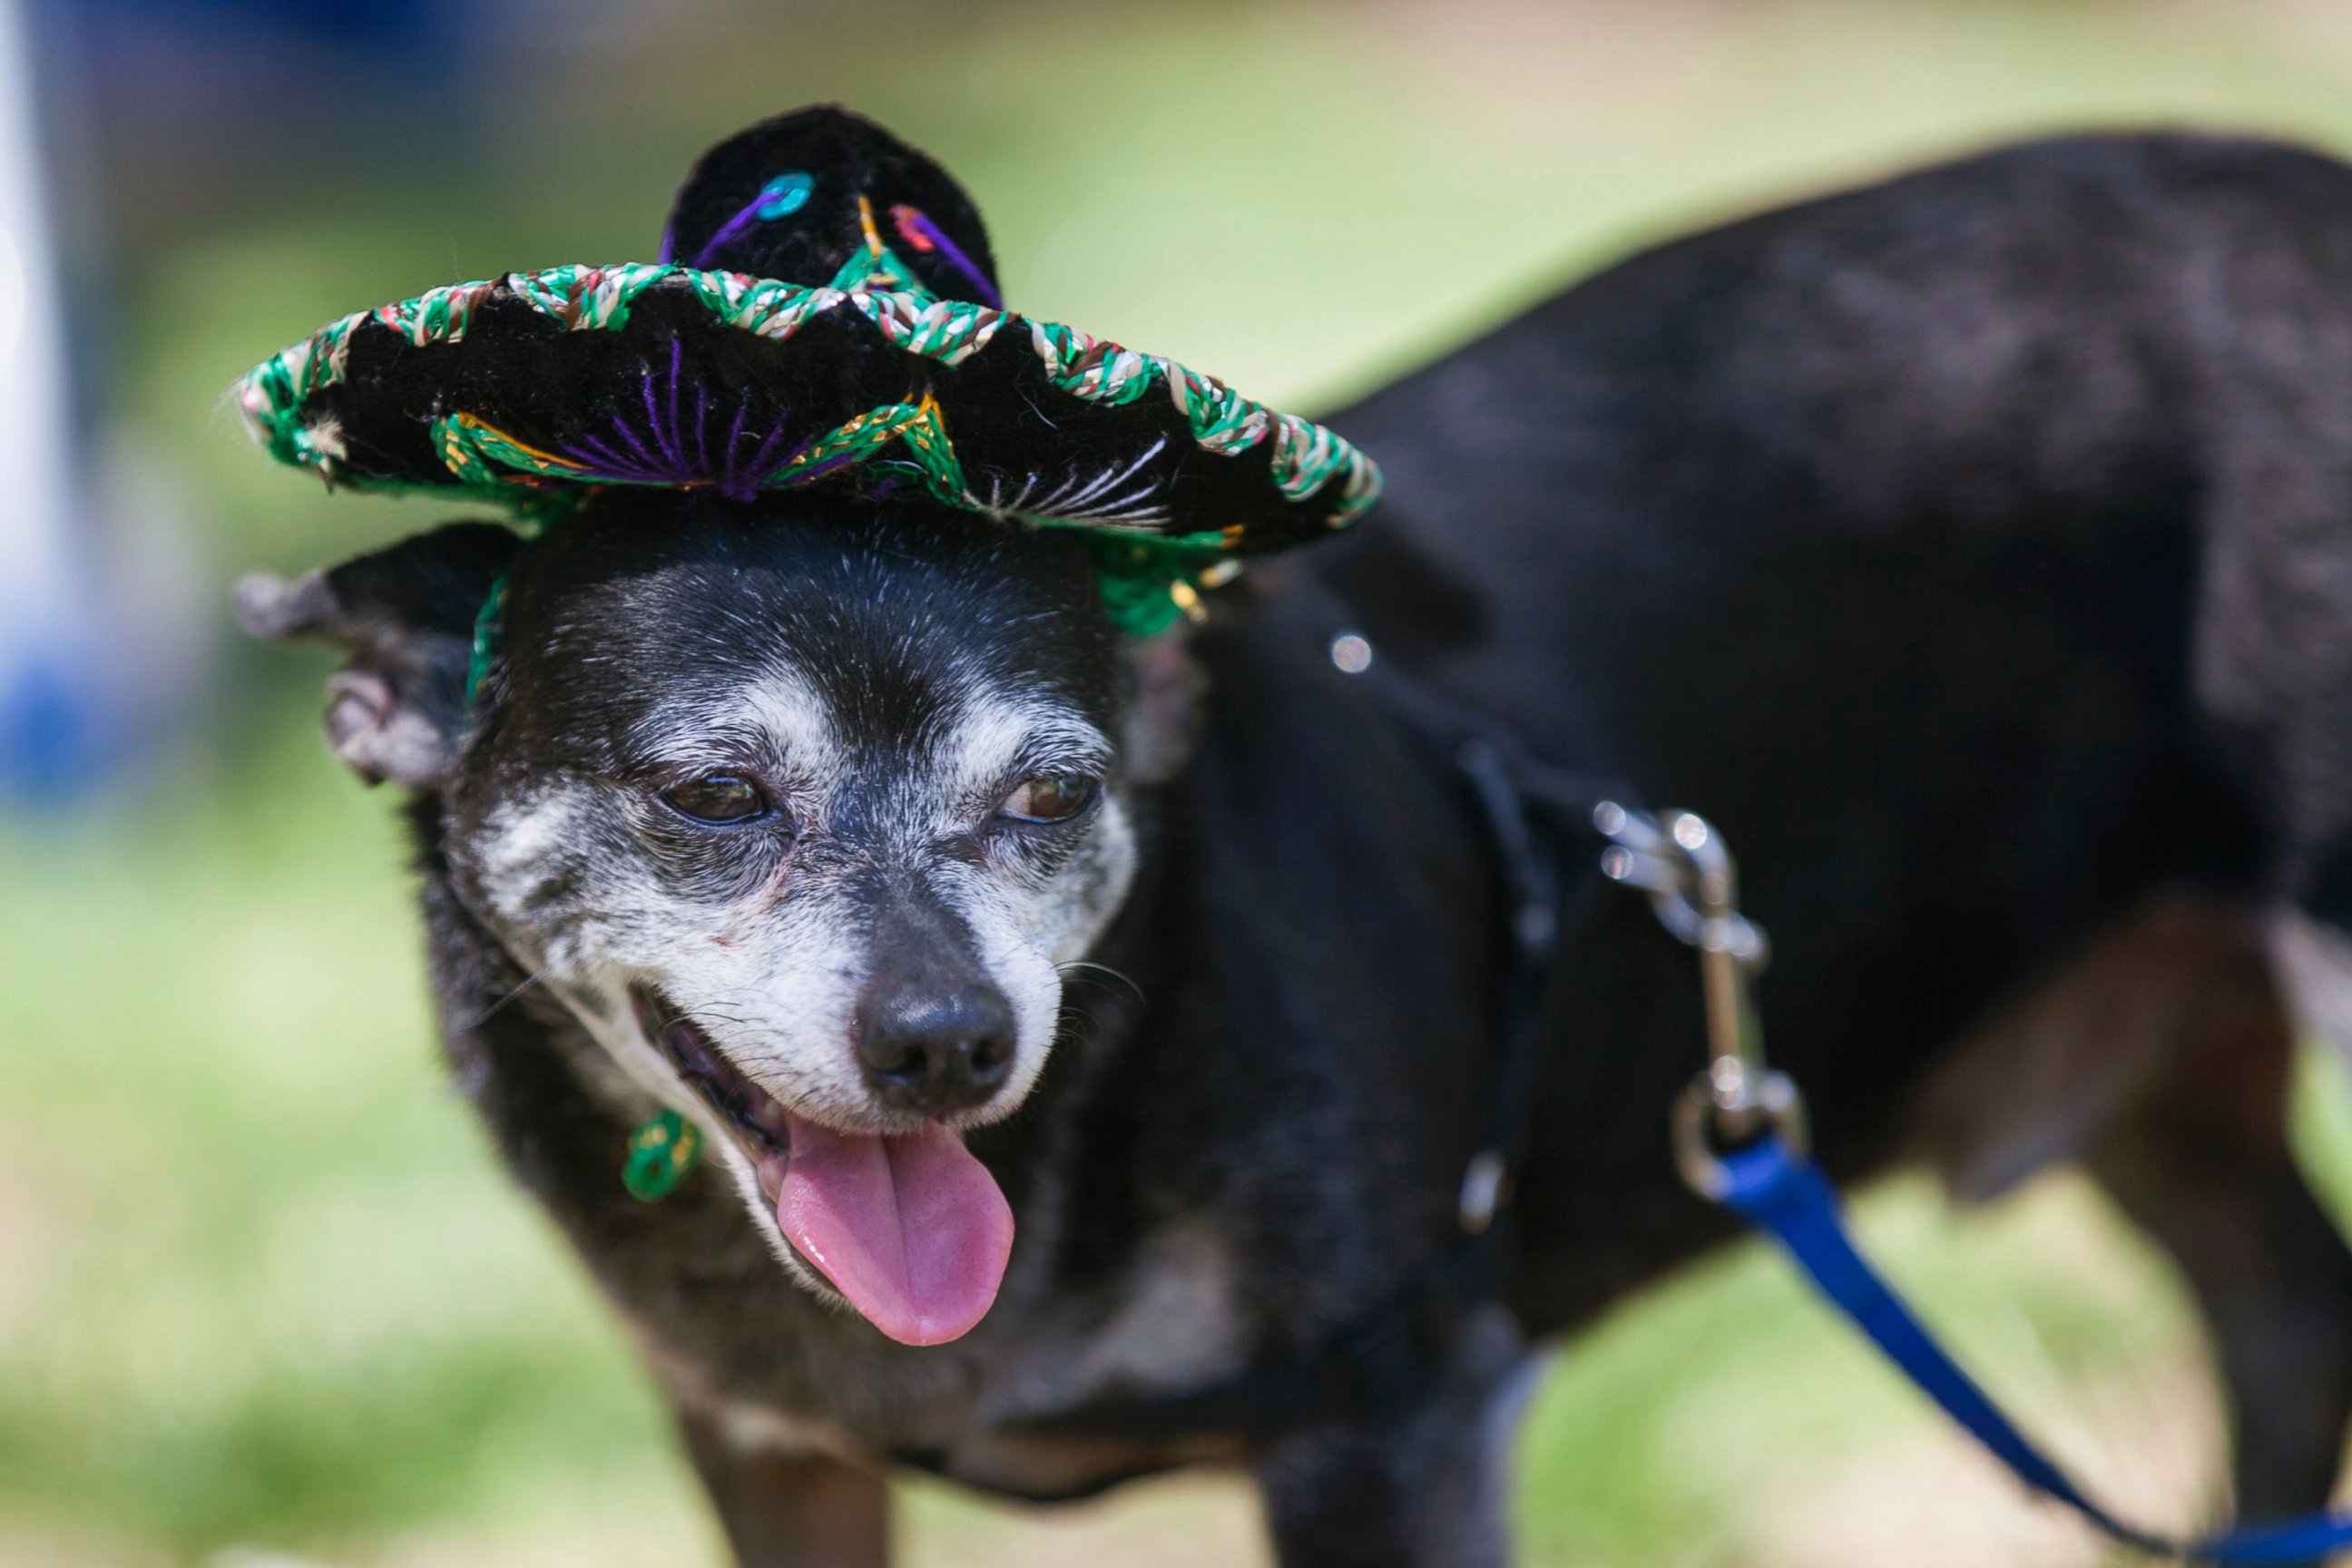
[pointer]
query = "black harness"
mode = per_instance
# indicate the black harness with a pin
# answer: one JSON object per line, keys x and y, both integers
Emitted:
{"x": 1538, "y": 823}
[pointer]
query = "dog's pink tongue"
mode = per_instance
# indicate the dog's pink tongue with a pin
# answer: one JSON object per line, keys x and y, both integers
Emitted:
{"x": 913, "y": 1230}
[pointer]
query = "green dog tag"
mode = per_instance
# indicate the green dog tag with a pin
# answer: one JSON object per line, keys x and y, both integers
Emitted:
{"x": 661, "y": 1152}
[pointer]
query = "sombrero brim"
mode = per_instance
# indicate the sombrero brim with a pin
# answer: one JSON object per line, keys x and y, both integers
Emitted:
{"x": 537, "y": 387}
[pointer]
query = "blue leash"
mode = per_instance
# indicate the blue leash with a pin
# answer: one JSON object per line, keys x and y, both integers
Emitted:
{"x": 1784, "y": 1194}
{"x": 1681, "y": 862}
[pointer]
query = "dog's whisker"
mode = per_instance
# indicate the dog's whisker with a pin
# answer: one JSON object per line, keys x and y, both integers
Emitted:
{"x": 493, "y": 1010}
{"x": 1077, "y": 1026}
{"x": 1073, "y": 966}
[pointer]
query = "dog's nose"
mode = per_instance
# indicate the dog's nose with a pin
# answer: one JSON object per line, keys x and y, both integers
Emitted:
{"x": 933, "y": 1050}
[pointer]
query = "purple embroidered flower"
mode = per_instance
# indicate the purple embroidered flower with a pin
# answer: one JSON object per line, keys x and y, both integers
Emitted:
{"x": 677, "y": 444}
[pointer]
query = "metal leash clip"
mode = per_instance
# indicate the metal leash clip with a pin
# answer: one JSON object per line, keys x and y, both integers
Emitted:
{"x": 1693, "y": 889}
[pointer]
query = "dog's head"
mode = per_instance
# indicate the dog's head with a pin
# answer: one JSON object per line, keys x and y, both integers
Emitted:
{"x": 801, "y": 808}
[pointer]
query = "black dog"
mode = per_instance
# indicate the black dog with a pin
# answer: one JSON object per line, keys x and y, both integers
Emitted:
{"x": 1975, "y": 550}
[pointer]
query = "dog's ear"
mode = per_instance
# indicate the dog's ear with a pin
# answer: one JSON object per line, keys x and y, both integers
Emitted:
{"x": 1165, "y": 689}
{"x": 405, "y": 618}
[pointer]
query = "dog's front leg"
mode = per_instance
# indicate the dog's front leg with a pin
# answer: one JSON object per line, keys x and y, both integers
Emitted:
{"x": 790, "y": 1510}
{"x": 1423, "y": 1486}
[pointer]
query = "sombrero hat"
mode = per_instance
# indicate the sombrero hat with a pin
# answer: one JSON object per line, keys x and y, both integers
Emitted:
{"x": 825, "y": 312}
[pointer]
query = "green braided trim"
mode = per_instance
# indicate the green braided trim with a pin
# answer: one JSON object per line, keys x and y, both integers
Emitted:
{"x": 878, "y": 268}
{"x": 486, "y": 635}
{"x": 761, "y": 305}
{"x": 1148, "y": 583}
{"x": 479, "y": 455}
{"x": 273, "y": 390}
{"x": 931, "y": 457}
{"x": 1305, "y": 456}
{"x": 437, "y": 316}
{"x": 593, "y": 298}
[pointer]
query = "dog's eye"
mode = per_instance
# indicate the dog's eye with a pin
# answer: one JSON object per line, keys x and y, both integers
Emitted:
{"x": 1050, "y": 798}
{"x": 718, "y": 797}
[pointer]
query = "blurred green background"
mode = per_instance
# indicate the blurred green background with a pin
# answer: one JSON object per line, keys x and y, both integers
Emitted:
{"x": 263, "y": 1298}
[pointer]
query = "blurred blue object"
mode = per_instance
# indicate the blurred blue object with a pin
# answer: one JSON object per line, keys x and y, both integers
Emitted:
{"x": 49, "y": 729}
{"x": 128, "y": 128}
{"x": 373, "y": 24}
{"x": 51, "y": 711}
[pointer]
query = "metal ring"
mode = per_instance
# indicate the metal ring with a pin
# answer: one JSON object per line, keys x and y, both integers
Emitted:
{"x": 1772, "y": 1102}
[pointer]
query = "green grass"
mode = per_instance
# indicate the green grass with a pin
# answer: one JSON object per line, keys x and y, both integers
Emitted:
{"x": 259, "y": 1283}
{"x": 277, "y": 1290}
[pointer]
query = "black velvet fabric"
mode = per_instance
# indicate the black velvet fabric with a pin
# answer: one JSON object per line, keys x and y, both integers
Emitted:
{"x": 848, "y": 156}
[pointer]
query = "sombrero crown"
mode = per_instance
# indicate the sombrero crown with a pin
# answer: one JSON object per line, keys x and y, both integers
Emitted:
{"x": 825, "y": 312}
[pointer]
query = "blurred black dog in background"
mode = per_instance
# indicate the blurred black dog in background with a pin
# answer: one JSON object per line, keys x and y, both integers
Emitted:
{"x": 1975, "y": 550}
